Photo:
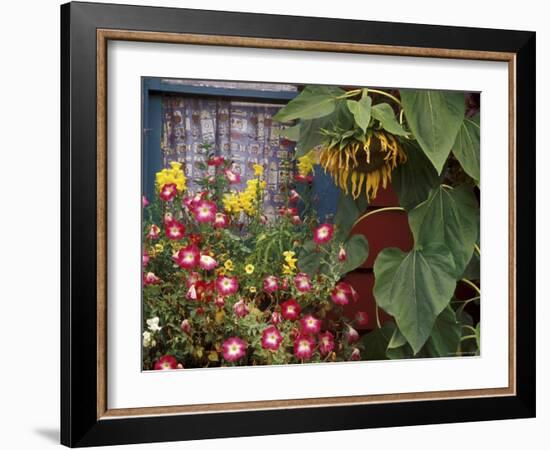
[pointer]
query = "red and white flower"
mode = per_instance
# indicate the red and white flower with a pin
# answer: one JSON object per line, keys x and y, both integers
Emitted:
{"x": 303, "y": 178}
{"x": 241, "y": 308}
{"x": 166, "y": 362}
{"x": 154, "y": 232}
{"x": 234, "y": 349}
{"x": 296, "y": 220}
{"x": 168, "y": 192}
{"x": 145, "y": 258}
{"x": 207, "y": 262}
{"x": 302, "y": 282}
{"x": 361, "y": 318}
{"x": 227, "y": 285}
{"x": 352, "y": 335}
{"x": 174, "y": 230}
{"x": 219, "y": 301}
{"x": 303, "y": 347}
{"x": 355, "y": 354}
{"x": 290, "y": 309}
{"x": 271, "y": 338}
{"x": 221, "y": 221}
{"x": 144, "y": 201}
{"x": 167, "y": 218}
{"x": 192, "y": 279}
{"x": 187, "y": 257}
{"x": 185, "y": 326}
{"x": 293, "y": 197}
{"x": 205, "y": 211}
{"x": 343, "y": 293}
{"x": 150, "y": 278}
{"x": 276, "y": 318}
{"x": 232, "y": 177}
{"x": 326, "y": 342}
{"x": 342, "y": 255}
{"x": 192, "y": 293}
{"x": 323, "y": 233}
{"x": 215, "y": 161}
{"x": 310, "y": 325}
{"x": 271, "y": 284}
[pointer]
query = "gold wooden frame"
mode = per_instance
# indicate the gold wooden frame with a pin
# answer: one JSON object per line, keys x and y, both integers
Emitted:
{"x": 103, "y": 36}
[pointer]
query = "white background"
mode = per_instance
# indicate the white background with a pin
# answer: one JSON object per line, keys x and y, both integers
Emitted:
{"x": 29, "y": 367}
{"x": 130, "y": 388}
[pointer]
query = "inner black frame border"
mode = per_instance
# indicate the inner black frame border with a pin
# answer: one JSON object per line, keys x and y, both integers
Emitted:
{"x": 79, "y": 423}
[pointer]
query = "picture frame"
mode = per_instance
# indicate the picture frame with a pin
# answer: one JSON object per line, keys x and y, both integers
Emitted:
{"x": 86, "y": 29}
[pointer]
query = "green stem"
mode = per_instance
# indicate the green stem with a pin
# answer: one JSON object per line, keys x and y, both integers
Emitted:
{"x": 376, "y": 211}
{"x": 476, "y": 248}
{"x": 472, "y": 285}
{"x": 395, "y": 99}
{"x": 377, "y": 314}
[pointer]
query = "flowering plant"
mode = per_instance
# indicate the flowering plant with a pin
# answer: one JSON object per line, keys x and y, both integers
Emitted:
{"x": 225, "y": 284}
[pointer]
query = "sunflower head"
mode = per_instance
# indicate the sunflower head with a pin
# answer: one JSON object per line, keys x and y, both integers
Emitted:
{"x": 361, "y": 163}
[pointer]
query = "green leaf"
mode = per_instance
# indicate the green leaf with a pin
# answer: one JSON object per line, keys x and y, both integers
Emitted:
{"x": 478, "y": 339}
{"x": 414, "y": 288}
{"x": 445, "y": 335}
{"x": 450, "y": 217}
{"x": 375, "y": 343}
{"x": 310, "y": 135}
{"x": 291, "y": 133}
{"x": 472, "y": 271}
{"x": 313, "y": 102}
{"x": 466, "y": 147}
{"x": 357, "y": 251}
{"x": 434, "y": 117}
{"x": 397, "y": 340}
{"x": 414, "y": 179}
{"x": 383, "y": 112}
{"x": 309, "y": 260}
{"x": 347, "y": 213}
{"x": 361, "y": 111}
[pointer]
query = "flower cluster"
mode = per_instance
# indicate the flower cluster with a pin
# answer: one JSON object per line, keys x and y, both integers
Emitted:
{"x": 246, "y": 201}
{"x": 224, "y": 284}
{"x": 170, "y": 180}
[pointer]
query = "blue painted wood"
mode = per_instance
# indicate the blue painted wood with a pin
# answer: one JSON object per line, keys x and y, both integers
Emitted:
{"x": 156, "y": 85}
{"x": 327, "y": 195}
{"x": 152, "y": 155}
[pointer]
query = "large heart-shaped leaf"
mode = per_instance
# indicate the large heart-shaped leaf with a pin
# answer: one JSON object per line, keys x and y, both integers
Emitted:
{"x": 375, "y": 343}
{"x": 361, "y": 111}
{"x": 414, "y": 179}
{"x": 445, "y": 335}
{"x": 291, "y": 133}
{"x": 466, "y": 147}
{"x": 414, "y": 288}
{"x": 309, "y": 259}
{"x": 434, "y": 117}
{"x": 357, "y": 251}
{"x": 347, "y": 213}
{"x": 383, "y": 112}
{"x": 313, "y": 102}
{"x": 450, "y": 217}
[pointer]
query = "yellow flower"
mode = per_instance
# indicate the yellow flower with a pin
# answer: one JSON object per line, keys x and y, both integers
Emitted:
{"x": 290, "y": 262}
{"x": 174, "y": 175}
{"x": 249, "y": 268}
{"x": 258, "y": 170}
{"x": 287, "y": 270}
{"x": 159, "y": 248}
{"x": 228, "y": 265}
{"x": 252, "y": 289}
{"x": 306, "y": 163}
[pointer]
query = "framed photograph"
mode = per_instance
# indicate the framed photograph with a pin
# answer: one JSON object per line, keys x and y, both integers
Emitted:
{"x": 277, "y": 224}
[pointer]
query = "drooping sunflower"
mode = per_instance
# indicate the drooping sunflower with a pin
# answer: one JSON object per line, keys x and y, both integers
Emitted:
{"x": 362, "y": 164}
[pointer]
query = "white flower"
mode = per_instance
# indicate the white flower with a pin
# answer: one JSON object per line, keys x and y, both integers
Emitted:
{"x": 148, "y": 340}
{"x": 153, "y": 324}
